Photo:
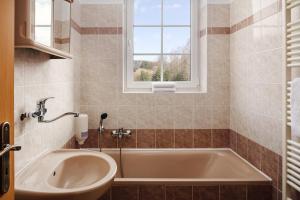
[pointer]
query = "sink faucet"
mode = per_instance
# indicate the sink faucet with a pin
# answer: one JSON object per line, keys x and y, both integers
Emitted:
{"x": 42, "y": 110}
{"x": 120, "y": 133}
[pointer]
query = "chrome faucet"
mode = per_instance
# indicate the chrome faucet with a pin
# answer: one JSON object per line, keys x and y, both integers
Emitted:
{"x": 42, "y": 110}
{"x": 120, "y": 133}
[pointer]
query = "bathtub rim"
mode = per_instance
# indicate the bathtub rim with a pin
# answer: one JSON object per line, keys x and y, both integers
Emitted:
{"x": 183, "y": 181}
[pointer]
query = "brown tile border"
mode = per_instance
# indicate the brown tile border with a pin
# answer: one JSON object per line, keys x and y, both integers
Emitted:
{"x": 145, "y": 138}
{"x": 62, "y": 40}
{"x": 184, "y": 138}
{"x": 163, "y": 138}
{"x": 242, "y": 146}
{"x": 218, "y": 30}
{"x": 96, "y": 30}
{"x": 202, "y": 138}
{"x": 220, "y": 138}
{"x": 101, "y": 30}
{"x": 256, "y": 17}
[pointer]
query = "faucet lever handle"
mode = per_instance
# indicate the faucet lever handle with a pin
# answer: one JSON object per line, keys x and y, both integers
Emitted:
{"x": 115, "y": 133}
{"x": 43, "y": 101}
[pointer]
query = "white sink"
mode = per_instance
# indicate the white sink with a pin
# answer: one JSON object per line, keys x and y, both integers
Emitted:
{"x": 66, "y": 175}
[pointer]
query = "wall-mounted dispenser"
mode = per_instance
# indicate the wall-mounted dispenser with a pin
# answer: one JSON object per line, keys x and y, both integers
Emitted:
{"x": 81, "y": 128}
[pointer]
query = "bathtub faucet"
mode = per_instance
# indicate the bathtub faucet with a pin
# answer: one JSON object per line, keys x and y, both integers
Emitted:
{"x": 120, "y": 133}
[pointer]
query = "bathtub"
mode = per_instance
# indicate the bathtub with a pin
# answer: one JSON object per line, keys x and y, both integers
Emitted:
{"x": 185, "y": 166}
{"x": 186, "y": 174}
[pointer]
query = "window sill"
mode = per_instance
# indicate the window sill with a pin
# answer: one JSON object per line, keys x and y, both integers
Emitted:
{"x": 178, "y": 91}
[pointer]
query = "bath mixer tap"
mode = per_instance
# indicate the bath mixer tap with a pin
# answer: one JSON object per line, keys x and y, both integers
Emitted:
{"x": 42, "y": 110}
{"x": 120, "y": 133}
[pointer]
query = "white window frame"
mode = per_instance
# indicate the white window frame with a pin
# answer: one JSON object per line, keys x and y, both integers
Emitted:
{"x": 129, "y": 84}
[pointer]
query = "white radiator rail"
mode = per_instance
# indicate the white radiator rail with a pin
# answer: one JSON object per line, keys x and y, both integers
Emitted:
{"x": 293, "y": 164}
{"x": 291, "y": 63}
{"x": 292, "y": 35}
{"x": 293, "y": 168}
{"x": 288, "y": 102}
{"x": 292, "y": 4}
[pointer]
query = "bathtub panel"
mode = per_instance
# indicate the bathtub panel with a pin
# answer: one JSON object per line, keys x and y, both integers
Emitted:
{"x": 153, "y": 192}
{"x": 124, "y": 193}
{"x": 233, "y": 192}
{"x": 191, "y": 192}
{"x": 256, "y": 192}
{"x": 206, "y": 192}
{"x": 179, "y": 192}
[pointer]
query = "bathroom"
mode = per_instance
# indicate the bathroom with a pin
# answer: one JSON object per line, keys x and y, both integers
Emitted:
{"x": 149, "y": 99}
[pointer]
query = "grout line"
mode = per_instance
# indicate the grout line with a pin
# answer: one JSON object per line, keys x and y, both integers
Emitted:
{"x": 219, "y": 192}
{"x": 246, "y": 191}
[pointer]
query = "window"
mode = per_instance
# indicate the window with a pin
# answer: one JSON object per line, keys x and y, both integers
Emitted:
{"x": 162, "y": 43}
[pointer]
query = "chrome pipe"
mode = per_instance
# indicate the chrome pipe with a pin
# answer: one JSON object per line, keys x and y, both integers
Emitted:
{"x": 41, "y": 119}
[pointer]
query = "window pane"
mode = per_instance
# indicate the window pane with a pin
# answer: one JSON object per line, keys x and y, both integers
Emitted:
{"x": 177, "y": 12}
{"x": 147, "y": 12}
{"x": 177, "y": 40}
{"x": 177, "y": 68}
{"x": 43, "y": 35}
{"x": 147, "y": 40}
{"x": 146, "y": 68}
{"x": 43, "y": 12}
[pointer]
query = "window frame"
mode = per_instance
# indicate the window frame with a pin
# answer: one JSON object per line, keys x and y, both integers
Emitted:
{"x": 128, "y": 75}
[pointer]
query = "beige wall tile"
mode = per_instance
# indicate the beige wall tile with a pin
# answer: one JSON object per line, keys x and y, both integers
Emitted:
{"x": 256, "y": 76}
{"x": 218, "y": 15}
{"x": 202, "y": 117}
{"x": 127, "y": 117}
{"x": 145, "y": 117}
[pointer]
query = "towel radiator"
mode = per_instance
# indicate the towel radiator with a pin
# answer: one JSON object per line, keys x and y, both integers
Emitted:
{"x": 291, "y": 148}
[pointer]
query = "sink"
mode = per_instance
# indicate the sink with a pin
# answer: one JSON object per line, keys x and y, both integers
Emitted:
{"x": 66, "y": 175}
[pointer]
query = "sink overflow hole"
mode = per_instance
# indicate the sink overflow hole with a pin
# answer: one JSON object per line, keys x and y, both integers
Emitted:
{"x": 54, "y": 173}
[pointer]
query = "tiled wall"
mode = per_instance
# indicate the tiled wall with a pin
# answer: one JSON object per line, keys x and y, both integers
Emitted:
{"x": 261, "y": 157}
{"x": 101, "y": 79}
{"x": 36, "y": 76}
{"x": 256, "y": 71}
